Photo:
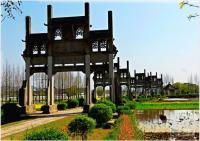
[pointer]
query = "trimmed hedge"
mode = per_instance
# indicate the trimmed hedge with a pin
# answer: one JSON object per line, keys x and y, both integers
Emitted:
{"x": 81, "y": 101}
{"x": 72, "y": 103}
{"x": 183, "y": 96}
{"x": 108, "y": 103}
{"x": 81, "y": 125}
{"x": 11, "y": 112}
{"x": 101, "y": 113}
{"x": 62, "y": 106}
{"x": 130, "y": 104}
{"x": 46, "y": 134}
{"x": 123, "y": 110}
{"x": 125, "y": 99}
{"x": 45, "y": 109}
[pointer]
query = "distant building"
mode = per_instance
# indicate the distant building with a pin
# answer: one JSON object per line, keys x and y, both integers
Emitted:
{"x": 169, "y": 89}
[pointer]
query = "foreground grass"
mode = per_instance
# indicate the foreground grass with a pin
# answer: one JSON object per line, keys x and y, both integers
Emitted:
{"x": 167, "y": 105}
{"x": 97, "y": 134}
{"x": 57, "y": 124}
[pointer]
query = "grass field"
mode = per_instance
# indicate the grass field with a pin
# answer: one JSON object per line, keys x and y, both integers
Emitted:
{"x": 97, "y": 134}
{"x": 167, "y": 105}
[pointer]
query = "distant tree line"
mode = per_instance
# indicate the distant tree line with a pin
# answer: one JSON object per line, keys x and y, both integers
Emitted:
{"x": 193, "y": 79}
{"x": 67, "y": 84}
{"x": 187, "y": 88}
{"x": 11, "y": 80}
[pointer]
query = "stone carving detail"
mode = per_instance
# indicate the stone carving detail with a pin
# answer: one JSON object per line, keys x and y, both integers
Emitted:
{"x": 103, "y": 45}
{"x": 43, "y": 49}
{"x": 35, "y": 49}
{"x": 58, "y": 34}
{"x": 95, "y": 46}
{"x": 79, "y": 33}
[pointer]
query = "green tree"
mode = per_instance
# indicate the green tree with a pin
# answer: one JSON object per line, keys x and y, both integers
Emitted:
{"x": 99, "y": 91}
{"x": 82, "y": 125}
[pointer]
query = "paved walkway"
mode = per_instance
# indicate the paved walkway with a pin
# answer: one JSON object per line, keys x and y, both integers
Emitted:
{"x": 39, "y": 119}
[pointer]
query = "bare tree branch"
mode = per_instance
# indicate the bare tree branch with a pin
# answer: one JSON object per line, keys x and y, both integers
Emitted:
{"x": 8, "y": 8}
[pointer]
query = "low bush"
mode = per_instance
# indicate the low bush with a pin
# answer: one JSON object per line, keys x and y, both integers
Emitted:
{"x": 81, "y": 125}
{"x": 101, "y": 113}
{"x": 11, "y": 112}
{"x": 38, "y": 106}
{"x": 108, "y": 103}
{"x": 131, "y": 104}
{"x": 125, "y": 99}
{"x": 62, "y": 106}
{"x": 123, "y": 110}
{"x": 45, "y": 109}
{"x": 81, "y": 101}
{"x": 155, "y": 98}
{"x": 184, "y": 96}
{"x": 72, "y": 103}
{"x": 46, "y": 134}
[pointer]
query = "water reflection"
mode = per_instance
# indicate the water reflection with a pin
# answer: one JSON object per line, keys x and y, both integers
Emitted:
{"x": 177, "y": 120}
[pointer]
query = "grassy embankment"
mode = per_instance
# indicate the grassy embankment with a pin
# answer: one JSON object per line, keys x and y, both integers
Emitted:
{"x": 168, "y": 105}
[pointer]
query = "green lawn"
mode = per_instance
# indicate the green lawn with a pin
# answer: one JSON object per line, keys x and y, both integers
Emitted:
{"x": 57, "y": 124}
{"x": 97, "y": 134}
{"x": 167, "y": 105}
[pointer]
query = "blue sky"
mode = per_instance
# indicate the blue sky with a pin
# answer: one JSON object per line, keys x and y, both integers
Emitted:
{"x": 155, "y": 36}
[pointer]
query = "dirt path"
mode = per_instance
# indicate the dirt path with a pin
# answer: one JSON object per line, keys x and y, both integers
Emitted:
{"x": 39, "y": 120}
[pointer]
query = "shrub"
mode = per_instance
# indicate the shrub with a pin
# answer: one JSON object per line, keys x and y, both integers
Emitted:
{"x": 108, "y": 103}
{"x": 125, "y": 99}
{"x": 101, "y": 112}
{"x": 46, "y": 134}
{"x": 81, "y": 101}
{"x": 62, "y": 106}
{"x": 72, "y": 103}
{"x": 86, "y": 108}
{"x": 130, "y": 104}
{"x": 45, "y": 109}
{"x": 11, "y": 112}
{"x": 38, "y": 106}
{"x": 123, "y": 110}
{"x": 81, "y": 125}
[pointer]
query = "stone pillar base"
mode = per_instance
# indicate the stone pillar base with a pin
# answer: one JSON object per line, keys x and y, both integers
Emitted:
{"x": 28, "y": 109}
{"x": 49, "y": 109}
{"x": 53, "y": 109}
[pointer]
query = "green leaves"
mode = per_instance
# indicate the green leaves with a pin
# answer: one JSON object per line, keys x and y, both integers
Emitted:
{"x": 101, "y": 112}
{"x": 181, "y": 4}
{"x": 81, "y": 125}
{"x": 46, "y": 134}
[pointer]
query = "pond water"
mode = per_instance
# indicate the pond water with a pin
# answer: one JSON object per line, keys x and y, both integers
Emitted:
{"x": 176, "y": 99}
{"x": 176, "y": 120}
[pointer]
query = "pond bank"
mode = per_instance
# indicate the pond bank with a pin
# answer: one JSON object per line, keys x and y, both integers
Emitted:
{"x": 168, "y": 105}
{"x": 171, "y": 136}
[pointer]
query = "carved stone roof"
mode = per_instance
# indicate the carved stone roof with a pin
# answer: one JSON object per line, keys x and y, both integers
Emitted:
{"x": 68, "y": 20}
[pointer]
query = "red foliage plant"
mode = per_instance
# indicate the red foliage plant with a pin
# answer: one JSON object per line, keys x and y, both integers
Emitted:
{"x": 126, "y": 129}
